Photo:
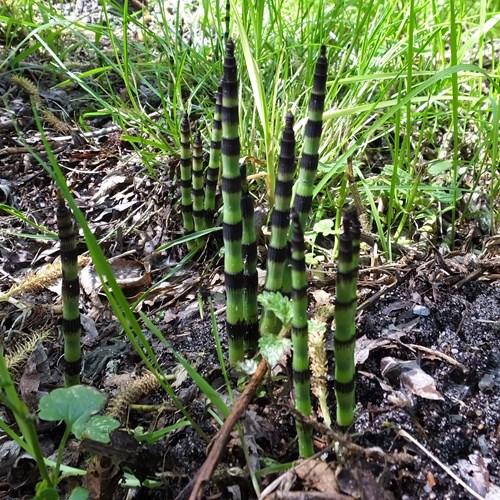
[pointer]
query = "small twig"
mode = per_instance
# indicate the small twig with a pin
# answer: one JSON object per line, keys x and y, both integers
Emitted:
{"x": 218, "y": 444}
{"x": 383, "y": 291}
{"x": 374, "y": 454}
{"x": 470, "y": 277}
{"x": 464, "y": 485}
{"x": 438, "y": 354}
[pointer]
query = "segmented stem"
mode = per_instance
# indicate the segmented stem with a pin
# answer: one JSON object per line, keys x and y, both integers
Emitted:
{"x": 70, "y": 294}
{"x": 214, "y": 161}
{"x": 345, "y": 315}
{"x": 300, "y": 361}
{"x": 249, "y": 247}
{"x": 231, "y": 195}
{"x": 186, "y": 181}
{"x": 227, "y": 19}
{"x": 197, "y": 192}
{"x": 310, "y": 155}
{"x": 277, "y": 254}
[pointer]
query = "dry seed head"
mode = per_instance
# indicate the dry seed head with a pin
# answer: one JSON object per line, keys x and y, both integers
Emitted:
{"x": 34, "y": 282}
{"x": 28, "y": 86}
{"x": 21, "y": 351}
{"x": 319, "y": 364}
{"x": 317, "y": 353}
{"x": 53, "y": 120}
{"x": 118, "y": 405}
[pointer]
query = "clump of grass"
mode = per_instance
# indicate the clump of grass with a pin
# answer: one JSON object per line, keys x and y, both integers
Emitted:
{"x": 398, "y": 80}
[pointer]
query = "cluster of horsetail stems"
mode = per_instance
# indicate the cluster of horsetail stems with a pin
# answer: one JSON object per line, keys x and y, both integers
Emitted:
{"x": 345, "y": 313}
{"x": 286, "y": 245}
{"x": 300, "y": 360}
{"x": 71, "y": 327}
{"x": 277, "y": 277}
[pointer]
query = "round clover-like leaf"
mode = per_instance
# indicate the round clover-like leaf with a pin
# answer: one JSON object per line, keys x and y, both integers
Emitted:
{"x": 71, "y": 404}
{"x": 96, "y": 428}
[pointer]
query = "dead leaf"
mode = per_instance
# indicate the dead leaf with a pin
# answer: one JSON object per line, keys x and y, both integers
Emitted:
{"x": 318, "y": 476}
{"x": 36, "y": 372}
{"x": 109, "y": 184}
{"x": 9, "y": 451}
{"x": 359, "y": 482}
{"x": 102, "y": 477}
{"x": 411, "y": 376}
{"x": 475, "y": 473}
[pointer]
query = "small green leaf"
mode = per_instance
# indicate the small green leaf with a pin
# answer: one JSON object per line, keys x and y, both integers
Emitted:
{"x": 324, "y": 227}
{"x": 153, "y": 437}
{"x": 46, "y": 493}
{"x": 313, "y": 259}
{"x": 71, "y": 404}
{"x": 97, "y": 428}
{"x": 280, "y": 305}
{"x": 439, "y": 166}
{"x": 273, "y": 348}
{"x": 79, "y": 493}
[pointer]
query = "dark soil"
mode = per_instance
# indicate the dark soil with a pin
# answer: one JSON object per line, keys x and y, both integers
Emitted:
{"x": 437, "y": 317}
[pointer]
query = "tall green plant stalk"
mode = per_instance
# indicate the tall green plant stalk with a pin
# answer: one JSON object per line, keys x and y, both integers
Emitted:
{"x": 70, "y": 294}
{"x": 214, "y": 162}
{"x": 227, "y": 20}
{"x": 186, "y": 180}
{"x": 249, "y": 247}
{"x": 300, "y": 361}
{"x": 24, "y": 419}
{"x": 232, "y": 219}
{"x": 345, "y": 315}
{"x": 277, "y": 253}
{"x": 197, "y": 191}
{"x": 310, "y": 155}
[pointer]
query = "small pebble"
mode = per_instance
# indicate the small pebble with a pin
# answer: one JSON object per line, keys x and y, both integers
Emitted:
{"x": 487, "y": 383}
{"x": 421, "y": 310}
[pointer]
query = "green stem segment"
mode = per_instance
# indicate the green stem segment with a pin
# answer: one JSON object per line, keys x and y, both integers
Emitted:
{"x": 70, "y": 295}
{"x": 345, "y": 316}
{"x": 300, "y": 362}
{"x": 312, "y": 137}
{"x": 227, "y": 19}
{"x": 232, "y": 219}
{"x": 249, "y": 247}
{"x": 214, "y": 161}
{"x": 277, "y": 254}
{"x": 186, "y": 181}
{"x": 197, "y": 192}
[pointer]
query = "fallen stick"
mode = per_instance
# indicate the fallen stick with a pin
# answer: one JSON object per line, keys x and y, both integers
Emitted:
{"x": 218, "y": 444}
